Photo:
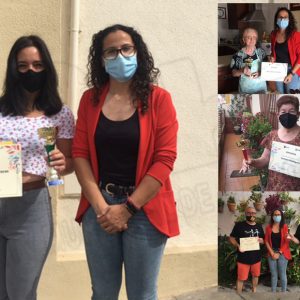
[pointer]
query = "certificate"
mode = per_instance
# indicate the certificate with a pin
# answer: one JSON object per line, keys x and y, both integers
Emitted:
{"x": 273, "y": 71}
{"x": 10, "y": 170}
{"x": 285, "y": 158}
{"x": 249, "y": 244}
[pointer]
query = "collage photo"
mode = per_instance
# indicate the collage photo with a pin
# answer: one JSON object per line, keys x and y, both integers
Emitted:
{"x": 259, "y": 147}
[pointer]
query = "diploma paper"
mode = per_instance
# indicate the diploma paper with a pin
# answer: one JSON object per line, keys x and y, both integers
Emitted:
{"x": 285, "y": 158}
{"x": 249, "y": 244}
{"x": 273, "y": 71}
{"x": 10, "y": 170}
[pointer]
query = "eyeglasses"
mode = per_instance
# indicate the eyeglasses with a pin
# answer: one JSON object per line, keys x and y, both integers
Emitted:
{"x": 250, "y": 213}
{"x": 112, "y": 53}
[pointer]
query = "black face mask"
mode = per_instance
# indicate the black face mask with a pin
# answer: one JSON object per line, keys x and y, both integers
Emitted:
{"x": 250, "y": 218}
{"x": 32, "y": 81}
{"x": 288, "y": 120}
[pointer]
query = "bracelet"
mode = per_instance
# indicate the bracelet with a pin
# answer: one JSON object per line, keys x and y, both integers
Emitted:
{"x": 132, "y": 209}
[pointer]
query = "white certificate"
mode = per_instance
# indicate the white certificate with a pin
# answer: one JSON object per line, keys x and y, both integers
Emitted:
{"x": 10, "y": 170}
{"x": 273, "y": 71}
{"x": 285, "y": 158}
{"x": 249, "y": 244}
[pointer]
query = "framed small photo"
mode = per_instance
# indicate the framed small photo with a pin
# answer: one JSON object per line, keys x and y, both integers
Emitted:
{"x": 221, "y": 12}
{"x": 295, "y": 6}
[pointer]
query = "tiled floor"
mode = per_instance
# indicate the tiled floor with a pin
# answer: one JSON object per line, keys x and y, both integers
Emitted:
{"x": 232, "y": 158}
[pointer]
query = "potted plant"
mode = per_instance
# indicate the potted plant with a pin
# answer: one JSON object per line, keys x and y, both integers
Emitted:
{"x": 272, "y": 203}
{"x": 231, "y": 204}
{"x": 220, "y": 205}
{"x": 289, "y": 214}
{"x": 256, "y": 198}
{"x": 242, "y": 205}
{"x": 285, "y": 198}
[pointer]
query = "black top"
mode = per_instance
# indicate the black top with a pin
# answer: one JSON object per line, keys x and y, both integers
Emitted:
{"x": 282, "y": 53}
{"x": 241, "y": 230}
{"x": 297, "y": 234}
{"x": 276, "y": 239}
{"x": 117, "y": 145}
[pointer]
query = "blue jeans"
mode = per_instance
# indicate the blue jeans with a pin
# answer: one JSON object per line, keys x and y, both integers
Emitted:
{"x": 26, "y": 231}
{"x": 278, "y": 266}
{"x": 283, "y": 88}
{"x": 140, "y": 248}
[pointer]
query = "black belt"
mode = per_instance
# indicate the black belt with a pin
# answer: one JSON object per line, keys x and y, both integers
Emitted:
{"x": 117, "y": 190}
{"x": 33, "y": 185}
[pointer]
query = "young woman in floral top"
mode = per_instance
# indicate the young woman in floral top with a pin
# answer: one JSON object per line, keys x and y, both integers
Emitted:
{"x": 30, "y": 101}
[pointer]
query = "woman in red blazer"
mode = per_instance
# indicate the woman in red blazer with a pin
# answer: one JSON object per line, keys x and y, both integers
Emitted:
{"x": 277, "y": 241}
{"x": 124, "y": 150}
{"x": 285, "y": 43}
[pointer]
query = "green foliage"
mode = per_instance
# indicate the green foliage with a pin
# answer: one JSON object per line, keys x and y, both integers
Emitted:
{"x": 227, "y": 261}
{"x": 236, "y": 109}
{"x": 255, "y": 197}
{"x": 220, "y": 202}
{"x": 289, "y": 214}
{"x": 293, "y": 269}
{"x": 231, "y": 199}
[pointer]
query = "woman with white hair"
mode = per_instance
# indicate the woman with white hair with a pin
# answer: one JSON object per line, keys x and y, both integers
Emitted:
{"x": 246, "y": 64}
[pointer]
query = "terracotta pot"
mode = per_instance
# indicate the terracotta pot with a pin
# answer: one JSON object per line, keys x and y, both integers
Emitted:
{"x": 231, "y": 206}
{"x": 258, "y": 205}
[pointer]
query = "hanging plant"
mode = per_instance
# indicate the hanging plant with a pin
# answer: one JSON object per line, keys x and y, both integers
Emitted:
{"x": 272, "y": 203}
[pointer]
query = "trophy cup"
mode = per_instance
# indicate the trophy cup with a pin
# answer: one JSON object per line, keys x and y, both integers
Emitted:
{"x": 244, "y": 144}
{"x": 248, "y": 62}
{"x": 49, "y": 135}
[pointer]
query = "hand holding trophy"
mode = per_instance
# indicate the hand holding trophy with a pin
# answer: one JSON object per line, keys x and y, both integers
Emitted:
{"x": 49, "y": 136}
{"x": 244, "y": 144}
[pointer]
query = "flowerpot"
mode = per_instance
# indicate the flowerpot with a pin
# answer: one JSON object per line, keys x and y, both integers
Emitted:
{"x": 243, "y": 205}
{"x": 221, "y": 208}
{"x": 231, "y": 206}
{"x": 258, "y": 205}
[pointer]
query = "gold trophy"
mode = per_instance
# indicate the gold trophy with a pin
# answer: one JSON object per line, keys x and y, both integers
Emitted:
{"x": 48, "y": 134}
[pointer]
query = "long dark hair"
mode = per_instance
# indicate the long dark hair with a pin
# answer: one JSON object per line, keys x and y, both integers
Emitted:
{"x": 292, "y": 22}
{"x": 13, "y": 101}
{"x": 145, "y": 75}
{"x": 282, "y": 222}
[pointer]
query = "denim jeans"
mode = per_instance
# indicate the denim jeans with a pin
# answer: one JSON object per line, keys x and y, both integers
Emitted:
{"x": 283, "y": 88}
{"x": 139, "y": 248}
{"x": 26, "y": 231}
{"x": 278, "y": 266}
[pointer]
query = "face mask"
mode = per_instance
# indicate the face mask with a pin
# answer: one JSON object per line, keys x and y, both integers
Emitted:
{"x": 288, "y": 120}
{"x": 250, "y": 218}
{"x": 32, "y": 81}
{"x": 122, "y": 68}
{"x": 277, "y": 219}
{"x": 282, "y": 23}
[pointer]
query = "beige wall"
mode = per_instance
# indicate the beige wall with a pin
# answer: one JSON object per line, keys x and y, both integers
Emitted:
{"x": 182, "y": 36}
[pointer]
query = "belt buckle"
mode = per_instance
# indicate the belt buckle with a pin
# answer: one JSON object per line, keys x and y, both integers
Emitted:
{"x": 107, "y": 187}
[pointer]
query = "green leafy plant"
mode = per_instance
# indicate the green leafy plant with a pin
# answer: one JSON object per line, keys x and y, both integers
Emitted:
{"x": 231, "y": 199}
{"x": 289, "y": 214}
{"x": 220, "y": 202}
{"x": 255, "y": 197}
{"x": 227, "y": 261}
{"x": 285, "y": 198}
{"x": 293, "y": 269}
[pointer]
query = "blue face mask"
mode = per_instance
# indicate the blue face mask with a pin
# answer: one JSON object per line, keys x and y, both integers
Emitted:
{"x": 282, "y": 23}
{"x": 277, "y": 219}
{"x": 122, "y": 68}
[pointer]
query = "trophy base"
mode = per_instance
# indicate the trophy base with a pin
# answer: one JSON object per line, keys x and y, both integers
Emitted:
{"x": 55, "y": 182}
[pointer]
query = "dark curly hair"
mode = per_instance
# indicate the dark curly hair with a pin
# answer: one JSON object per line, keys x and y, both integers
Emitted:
{"x": 14, "y": 101}
{"x": 292, "y": 22}
{"x": 145, "y": 75}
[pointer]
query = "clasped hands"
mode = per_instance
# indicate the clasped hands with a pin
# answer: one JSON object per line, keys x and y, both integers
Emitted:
{"x": 114, "y": 219}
